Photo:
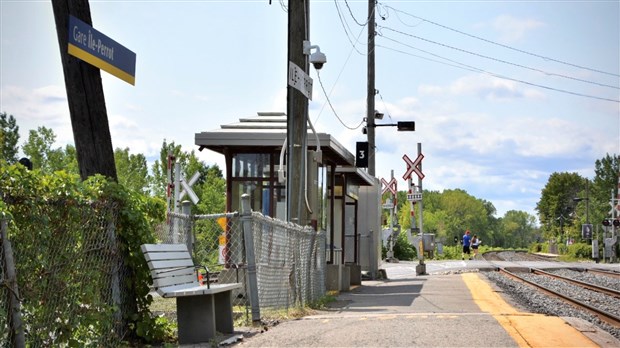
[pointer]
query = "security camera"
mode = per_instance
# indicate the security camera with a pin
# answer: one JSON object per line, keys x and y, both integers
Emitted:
{"x": 317, "y": 59}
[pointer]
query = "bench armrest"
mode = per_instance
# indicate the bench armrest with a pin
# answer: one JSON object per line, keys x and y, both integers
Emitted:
{"x": 207, "y": 272}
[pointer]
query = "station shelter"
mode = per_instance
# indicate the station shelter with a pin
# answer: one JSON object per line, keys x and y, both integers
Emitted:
{"x": 345, "y": 200}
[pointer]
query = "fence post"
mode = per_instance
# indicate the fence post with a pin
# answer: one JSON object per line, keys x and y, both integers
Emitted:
{"x": 186, "y": 209}
{"x": 16, "y": 326}
{"x": 248, "y": 236}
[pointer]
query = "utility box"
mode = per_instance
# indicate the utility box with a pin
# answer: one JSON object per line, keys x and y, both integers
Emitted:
{"x": 429, "y": 243}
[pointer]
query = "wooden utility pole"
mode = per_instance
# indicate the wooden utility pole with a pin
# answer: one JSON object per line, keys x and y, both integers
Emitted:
{"x": 370, "y": 96}
{"x": 89, "y": 118}
{"x": 297, "y": 111}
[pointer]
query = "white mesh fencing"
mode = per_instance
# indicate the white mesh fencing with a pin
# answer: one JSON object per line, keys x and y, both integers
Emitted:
{"x": 289, "y": 259}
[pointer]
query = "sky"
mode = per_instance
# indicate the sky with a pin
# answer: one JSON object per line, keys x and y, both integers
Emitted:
{"x": 503, "y": 93}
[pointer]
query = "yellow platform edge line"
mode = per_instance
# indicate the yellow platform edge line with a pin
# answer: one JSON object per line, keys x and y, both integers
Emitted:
{"x": 527, "y": 329}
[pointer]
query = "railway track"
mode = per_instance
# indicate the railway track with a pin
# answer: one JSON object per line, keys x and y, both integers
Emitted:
{"x": 598, "y": 288}
{"x": 611, "y": 317}
{"x": 605, "y": 273}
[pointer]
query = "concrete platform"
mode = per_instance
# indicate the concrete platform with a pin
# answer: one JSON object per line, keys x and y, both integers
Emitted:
{"x": 452, "y": 306}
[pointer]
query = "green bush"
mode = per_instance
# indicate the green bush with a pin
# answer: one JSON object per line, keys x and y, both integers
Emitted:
{"x": 403, "y": 250}
{"x": 61, "y": 230}
{"x": 580, "y": 251}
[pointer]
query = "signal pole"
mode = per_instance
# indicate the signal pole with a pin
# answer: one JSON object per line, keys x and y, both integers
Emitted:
{"x": 296, "y": 113}
{"x": 370, "y": 97}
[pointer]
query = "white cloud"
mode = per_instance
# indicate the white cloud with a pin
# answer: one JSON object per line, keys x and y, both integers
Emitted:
{"x": 484, "y": 87}
{"x": 513, "y": 29}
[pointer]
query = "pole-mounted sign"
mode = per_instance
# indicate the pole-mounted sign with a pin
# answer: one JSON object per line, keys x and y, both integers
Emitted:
{"x": 95, "y": 48}
{"x": 412, "y": 166}
{"x": 298, "y": 79}
{"x": 391, "y": 186}
{"x": 361, "y": 154}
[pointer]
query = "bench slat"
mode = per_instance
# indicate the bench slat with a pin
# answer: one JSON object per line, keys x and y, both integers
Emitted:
{"x": 171, "y": 272}
{"x": 157, "y": 265}
{"x": 152, "y": 256}
{"x": 163, "y": 247}
{"x": 186, "y": 280}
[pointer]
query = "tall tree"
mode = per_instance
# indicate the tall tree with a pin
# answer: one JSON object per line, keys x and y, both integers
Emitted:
{"x": 556, "y": 206}
{"x": 43, "y": 156}
{"x": 132, "y": 170}
{"x": 159, "y": 180}
{"x": 9, "y": 136}
{"x": 518, "y": 229}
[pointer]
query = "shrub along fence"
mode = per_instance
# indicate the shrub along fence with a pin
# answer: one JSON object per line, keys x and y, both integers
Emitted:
{"x": 72, "y": 273}
{"x": 63, "y": 276}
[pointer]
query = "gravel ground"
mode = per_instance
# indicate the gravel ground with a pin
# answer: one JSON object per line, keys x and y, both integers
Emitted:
{"x": 590, "y": 278}
{"x": 538, "y": 302}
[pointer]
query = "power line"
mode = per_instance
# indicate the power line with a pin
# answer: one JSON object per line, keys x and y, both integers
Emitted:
{"x": 345, "y": 26}
{"x": 332, "y": 107}
{"x": 472, "y": 68}
{"x": 385, "y": 106}
{"x": 352, "y": 16}
{"x": 500, "y": 60}
{"x": 502, "y": 45}
{"x": 341, "y": 70}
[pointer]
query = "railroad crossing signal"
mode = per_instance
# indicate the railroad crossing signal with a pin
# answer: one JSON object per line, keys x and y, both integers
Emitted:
{"x": 414, "y": 197}
{"x": 615, "y": 207}
{"x": 412, "y": 166}
{"x": 391, "y": 186}
{"x": 609, "y": 222}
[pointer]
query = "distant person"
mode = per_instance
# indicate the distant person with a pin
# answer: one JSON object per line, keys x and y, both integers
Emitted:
{"x": 475, "y": 243}
{"x": 466, "y": 245}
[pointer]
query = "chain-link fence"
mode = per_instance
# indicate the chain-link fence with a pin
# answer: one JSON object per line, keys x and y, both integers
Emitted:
{"x": 290, "y": 263}
{"x": 68, "y": 272}
{"x": 289, "y": 260}
{"x": 68, "y": 276}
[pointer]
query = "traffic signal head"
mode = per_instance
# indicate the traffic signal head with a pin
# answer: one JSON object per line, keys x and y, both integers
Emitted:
{"x": 616, "y": 222}
{"x": 606, "y": 222}
{"x": 406, "y": 126}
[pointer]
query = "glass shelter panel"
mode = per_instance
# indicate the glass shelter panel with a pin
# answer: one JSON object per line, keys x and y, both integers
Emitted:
{"x": 251, "y": 165}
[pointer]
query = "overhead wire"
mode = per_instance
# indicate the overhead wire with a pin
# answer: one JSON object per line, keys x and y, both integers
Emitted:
{"x": 502, "y": 45}
{"x": 352, "y": 16}
{"x": 385, "y": 106}
{"x": 479, "y": 70}
{"x": 472, "y": 68}
{"x": 332, "y": 107}
{"x": 498, "y": 60}
{"x": 353, "y": 47}
{"x": 345, "y": 26}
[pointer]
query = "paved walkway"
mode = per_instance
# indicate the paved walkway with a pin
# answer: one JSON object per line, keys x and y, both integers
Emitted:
{"x": 437, "y": 310}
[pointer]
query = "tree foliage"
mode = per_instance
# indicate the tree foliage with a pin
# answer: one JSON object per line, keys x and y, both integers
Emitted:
{"x": 9, "y": 136}
{"x": 132, "y": 170}
{"x": 556, "y": 206}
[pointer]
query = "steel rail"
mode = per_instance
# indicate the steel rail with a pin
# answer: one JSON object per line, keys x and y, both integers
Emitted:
{"x": 606, "y": 273}
{"x": 602, "y": 289}
{"x": 609, "y": 318}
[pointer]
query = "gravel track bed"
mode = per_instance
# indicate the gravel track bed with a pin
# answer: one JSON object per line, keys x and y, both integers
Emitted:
{"x": 590, "y": 278}
{"x": 514, "y": 256}
{"x": 537, "y": 302}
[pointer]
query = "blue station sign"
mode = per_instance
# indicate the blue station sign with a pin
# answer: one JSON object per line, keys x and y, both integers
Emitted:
{"x": 95, "y": 48}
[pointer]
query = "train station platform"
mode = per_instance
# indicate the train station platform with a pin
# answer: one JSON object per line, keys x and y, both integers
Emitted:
{"x": 453, "y": 306}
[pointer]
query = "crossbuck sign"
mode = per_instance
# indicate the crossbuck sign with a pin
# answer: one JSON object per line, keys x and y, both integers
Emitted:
{"x": 389, "y": 186}
{"x": 412, "y": 166}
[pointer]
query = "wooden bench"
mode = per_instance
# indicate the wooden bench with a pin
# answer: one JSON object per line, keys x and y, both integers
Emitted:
{"x": 202, "y": 310}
